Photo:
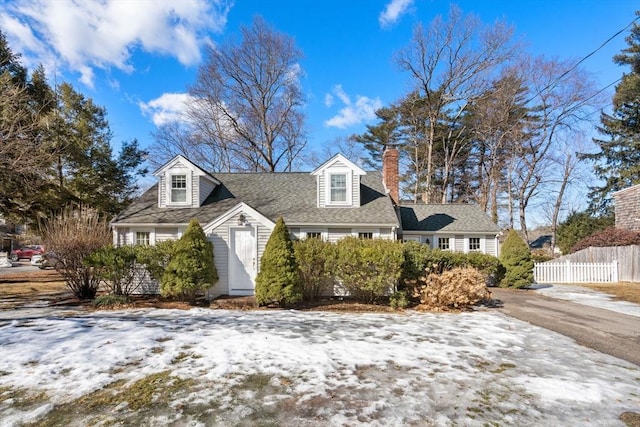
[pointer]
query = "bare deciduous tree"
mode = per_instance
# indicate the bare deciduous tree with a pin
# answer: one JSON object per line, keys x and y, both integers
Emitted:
{"x": 561, "y": 102}
{"x": 247, "y": 108}
{"x": 450, "y": 63}
{"x": 73, "y": 236}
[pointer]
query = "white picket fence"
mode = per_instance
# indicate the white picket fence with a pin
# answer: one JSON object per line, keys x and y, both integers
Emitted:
{"x": 576, "y": 272}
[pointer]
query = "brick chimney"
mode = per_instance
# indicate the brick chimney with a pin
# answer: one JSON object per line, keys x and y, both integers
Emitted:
{"x": 390, "y": 177}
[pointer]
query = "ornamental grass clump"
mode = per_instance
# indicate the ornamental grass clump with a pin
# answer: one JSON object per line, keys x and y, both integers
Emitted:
{"x": 456, "y": 289}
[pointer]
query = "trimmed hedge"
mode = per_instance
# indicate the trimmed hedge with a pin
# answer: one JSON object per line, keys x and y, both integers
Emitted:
{"x": 420, "y": 260}
{"x": 316, "y": 259}
{"x": 368, "y": 268}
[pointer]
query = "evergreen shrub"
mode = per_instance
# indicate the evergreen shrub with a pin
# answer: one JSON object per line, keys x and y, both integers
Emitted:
{"x": 116, "y": 267}
{"x": 368, "y": 268}
{"x": 110, "y": 300}
{"x": 278, "y": 281}
{"x": 399, "y": 299}
{"x": 516, "y": 258}
{"x": 316, "y": 261}
{"x": 155, "y": 258}
{"x": 191, "y": 269}
{"x": 420, "y": 260}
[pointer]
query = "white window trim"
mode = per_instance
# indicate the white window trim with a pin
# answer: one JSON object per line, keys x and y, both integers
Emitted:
{"x": 150, "y": 230}
{"x": 482, "y": 245}
{"x": 324, "y": 233}
{"x": 451, "y": 243}
{"x": 189, "y": 188}
{"x": 349, "y": 182}
{"x": 376, "y": 232}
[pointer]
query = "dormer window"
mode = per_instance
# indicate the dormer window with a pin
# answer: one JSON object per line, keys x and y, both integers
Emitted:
{"x": 338, "y": 188}
{"x": 338, "y": 182}
{"x": 178, "y": 189}
{"x": 183, "y": 184}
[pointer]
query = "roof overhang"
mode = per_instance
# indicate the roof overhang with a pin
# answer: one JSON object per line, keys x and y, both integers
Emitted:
{"x": 236, "y": 210}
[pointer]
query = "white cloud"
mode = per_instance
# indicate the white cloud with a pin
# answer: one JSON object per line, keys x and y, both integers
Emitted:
{"x": 352, "y": 113}
{"x": 90, "y": 34}
{"x": 328, "y": 100}
{"x": 393, "y": 11}
{"x": 168, "y": 108}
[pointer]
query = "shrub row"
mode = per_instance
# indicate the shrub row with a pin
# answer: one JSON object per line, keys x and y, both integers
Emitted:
{"x": 183, "y": 268}
{"x": 364, "y": 269}
{"x": 371, "y": 269}
{"x": 420, "y": 259}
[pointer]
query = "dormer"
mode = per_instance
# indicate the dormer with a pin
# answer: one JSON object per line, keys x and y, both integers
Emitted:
{"x": 338, "y": 183}
{"x": 183, "y": 184}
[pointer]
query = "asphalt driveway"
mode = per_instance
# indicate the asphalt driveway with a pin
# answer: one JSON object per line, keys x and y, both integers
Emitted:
{"x": 602, "y": 330}
{"x": 18, "y": 267}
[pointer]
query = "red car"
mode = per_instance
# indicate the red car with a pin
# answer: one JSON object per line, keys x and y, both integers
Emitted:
{"x": 26, "y": 253}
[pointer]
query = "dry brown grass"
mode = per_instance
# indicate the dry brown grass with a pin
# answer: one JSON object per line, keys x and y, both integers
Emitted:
{"x": 18, "y": 289}
{"x": 623, "y": 291}
{"x": 31, "y": 283}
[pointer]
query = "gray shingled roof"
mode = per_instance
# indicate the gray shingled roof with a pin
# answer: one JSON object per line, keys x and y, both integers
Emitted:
{"x": 291, "y": 195}
{"x": 446, "y": 218}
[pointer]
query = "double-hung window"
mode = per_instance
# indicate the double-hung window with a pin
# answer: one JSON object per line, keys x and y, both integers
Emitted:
{"x": 443, "y": 243}
{"x": 143, "y": 238}
{"x": 474, "y": 244}
{"x": 338, "y": 188}
{"x": 178, "y": 188}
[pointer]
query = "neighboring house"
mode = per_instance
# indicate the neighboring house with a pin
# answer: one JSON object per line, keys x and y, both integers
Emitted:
{"x": 627, "y": 208}
{"x": 238, "y": 212}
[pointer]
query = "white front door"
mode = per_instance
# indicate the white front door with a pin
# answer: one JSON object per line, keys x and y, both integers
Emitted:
{"x": 242, "y": 261}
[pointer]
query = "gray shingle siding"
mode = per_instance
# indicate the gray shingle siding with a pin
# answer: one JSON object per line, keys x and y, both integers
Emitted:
{"x": 627, "y": 208}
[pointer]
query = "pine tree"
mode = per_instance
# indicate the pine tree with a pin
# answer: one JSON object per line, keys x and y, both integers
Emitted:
{"x": 191, "y": 269}
{"x": 516, "y": 258}
{"x": 278, "y": 281}
{"x": 378, "y": 137}
{"x": 618, "y": 161}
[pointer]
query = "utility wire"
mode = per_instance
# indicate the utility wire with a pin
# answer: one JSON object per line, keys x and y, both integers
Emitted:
{"x": 563, "y": 75}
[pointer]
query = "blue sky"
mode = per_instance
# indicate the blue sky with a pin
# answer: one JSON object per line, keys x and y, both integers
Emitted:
{"x": 137, "y": 58}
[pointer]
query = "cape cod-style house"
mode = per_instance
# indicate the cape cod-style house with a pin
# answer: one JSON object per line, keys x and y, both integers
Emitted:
{"x": 238, "y": 212}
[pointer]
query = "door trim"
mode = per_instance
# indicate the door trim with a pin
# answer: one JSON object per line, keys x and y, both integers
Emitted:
{"x": 232, "y": 230}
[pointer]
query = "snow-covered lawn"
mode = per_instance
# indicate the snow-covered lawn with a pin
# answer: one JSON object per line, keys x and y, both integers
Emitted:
{"x": 292, "y": 368}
